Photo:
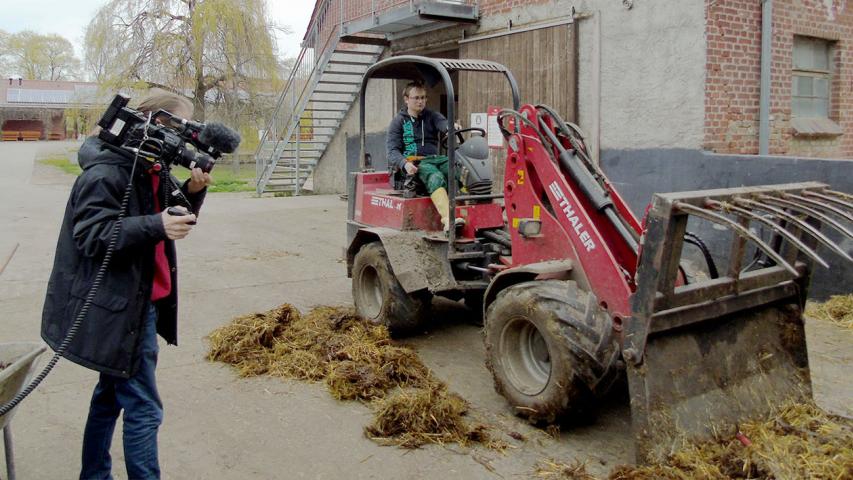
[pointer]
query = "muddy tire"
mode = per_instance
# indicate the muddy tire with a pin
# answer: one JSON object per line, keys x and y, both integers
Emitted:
{"x": 549, "y": 347}
{"x": 380, "y": 298}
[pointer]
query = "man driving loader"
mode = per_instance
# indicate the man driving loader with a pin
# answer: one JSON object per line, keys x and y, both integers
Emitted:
{"x": 412, "y": 146}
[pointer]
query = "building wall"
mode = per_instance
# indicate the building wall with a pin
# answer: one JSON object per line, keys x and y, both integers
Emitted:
{"x": 734, "y": 74}
{"x": 651, "y": 80}
{"x": 48, "y": 119}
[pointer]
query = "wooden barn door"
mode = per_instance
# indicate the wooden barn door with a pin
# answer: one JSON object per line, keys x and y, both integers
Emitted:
{"x": 542, "y": 61}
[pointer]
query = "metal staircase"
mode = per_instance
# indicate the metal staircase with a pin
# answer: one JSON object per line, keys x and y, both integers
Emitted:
{"x": 343, "y": 40}
{"x": 308, "y": 114}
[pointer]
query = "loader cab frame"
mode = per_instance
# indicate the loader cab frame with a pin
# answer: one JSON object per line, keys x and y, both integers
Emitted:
{"x": 431, "y": 71}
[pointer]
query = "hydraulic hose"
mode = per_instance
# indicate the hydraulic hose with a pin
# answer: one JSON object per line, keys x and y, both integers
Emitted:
{"x": 694, "y": 239}
{"x": 590, "y": 187}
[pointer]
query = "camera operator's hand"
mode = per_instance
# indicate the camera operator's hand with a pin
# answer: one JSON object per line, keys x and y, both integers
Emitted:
{"x": 177, "y": 226}
{"x": 198, "y": 180}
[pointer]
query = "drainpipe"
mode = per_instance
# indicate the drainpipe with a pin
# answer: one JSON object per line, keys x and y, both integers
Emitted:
{"x": 766, "y": 58}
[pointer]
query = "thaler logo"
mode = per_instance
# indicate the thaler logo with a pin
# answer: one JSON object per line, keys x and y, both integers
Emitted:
{"x": 386, "y": 203}
{"x": 572, "y": 216}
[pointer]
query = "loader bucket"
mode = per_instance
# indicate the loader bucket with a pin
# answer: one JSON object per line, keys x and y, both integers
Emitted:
{"x": 704, "y": 356}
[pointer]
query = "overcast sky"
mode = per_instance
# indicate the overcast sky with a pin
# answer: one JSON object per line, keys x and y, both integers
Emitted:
{"x": 70, "y": 17}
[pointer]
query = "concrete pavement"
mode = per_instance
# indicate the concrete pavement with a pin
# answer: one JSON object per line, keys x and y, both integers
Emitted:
{"x": 250, "y": 254}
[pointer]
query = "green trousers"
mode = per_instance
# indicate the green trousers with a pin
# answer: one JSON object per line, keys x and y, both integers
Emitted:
{"x": 432, "y": 171}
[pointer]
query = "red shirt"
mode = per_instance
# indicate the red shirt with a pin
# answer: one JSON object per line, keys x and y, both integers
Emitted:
{"x": 162, "y": 278}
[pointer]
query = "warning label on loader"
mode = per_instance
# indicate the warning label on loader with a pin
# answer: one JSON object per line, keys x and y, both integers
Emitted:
{"x": 572, "y": 216}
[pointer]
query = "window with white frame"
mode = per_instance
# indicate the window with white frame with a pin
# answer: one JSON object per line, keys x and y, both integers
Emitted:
{"x": 812, "y": 77}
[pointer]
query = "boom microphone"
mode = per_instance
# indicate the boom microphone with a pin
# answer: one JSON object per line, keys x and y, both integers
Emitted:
{"x": 220, "y": 137}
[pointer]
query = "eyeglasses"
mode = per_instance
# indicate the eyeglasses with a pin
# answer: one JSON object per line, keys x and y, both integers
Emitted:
{"x": 422, "y": 97}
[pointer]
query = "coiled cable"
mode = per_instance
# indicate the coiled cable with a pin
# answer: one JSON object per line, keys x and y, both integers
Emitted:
{"x": 93, "y": 290}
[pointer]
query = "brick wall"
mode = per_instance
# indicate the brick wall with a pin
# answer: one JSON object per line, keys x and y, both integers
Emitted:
{"x": 734, "y": 73}
{"x": 492, "y": 7}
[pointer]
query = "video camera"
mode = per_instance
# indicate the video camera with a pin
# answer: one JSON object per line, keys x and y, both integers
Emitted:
{"x": 132, "y": 130}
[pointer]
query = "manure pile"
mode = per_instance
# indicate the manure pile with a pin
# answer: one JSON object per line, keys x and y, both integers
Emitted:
{"x": 800, "y": 441}
{"x": 357, "y": 361}
{"x": 838, "y": 310}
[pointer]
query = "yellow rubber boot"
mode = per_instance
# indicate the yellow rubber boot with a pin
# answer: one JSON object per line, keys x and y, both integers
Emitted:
{"x": 442, "y": 204}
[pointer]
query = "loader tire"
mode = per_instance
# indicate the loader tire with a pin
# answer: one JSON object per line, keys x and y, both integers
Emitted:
{"x": 550, "y": 348}
{"x": 380, "y": 298}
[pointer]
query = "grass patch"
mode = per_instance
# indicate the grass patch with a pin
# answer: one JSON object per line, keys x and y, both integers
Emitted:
{"x": 224, "y": 177}
{"x": 61, "y": 162}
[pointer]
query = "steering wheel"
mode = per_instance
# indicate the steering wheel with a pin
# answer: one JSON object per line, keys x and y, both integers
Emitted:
{"x": 459, "y": 136}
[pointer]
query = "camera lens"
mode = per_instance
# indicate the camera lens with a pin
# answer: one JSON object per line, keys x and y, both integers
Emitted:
{"x": 190, "y": 159}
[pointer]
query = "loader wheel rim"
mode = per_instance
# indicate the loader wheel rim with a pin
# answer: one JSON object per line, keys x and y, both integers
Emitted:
{"x": 370, "y": 292}
{"x": 525, "y": 356}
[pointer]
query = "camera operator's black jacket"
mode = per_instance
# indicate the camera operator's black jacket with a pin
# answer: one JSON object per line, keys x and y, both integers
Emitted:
{"x": 108, "y": 337}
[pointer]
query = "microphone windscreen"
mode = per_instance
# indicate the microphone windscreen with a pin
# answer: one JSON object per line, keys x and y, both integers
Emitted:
{"x": 220, "y": 137}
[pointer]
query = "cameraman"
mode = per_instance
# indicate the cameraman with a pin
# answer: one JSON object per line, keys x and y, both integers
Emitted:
{"x": 137, "y": 297}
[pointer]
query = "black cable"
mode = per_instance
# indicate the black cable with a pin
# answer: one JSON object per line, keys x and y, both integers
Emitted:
{"x": 694, "y": 239}
{"x": 93, "y": 290}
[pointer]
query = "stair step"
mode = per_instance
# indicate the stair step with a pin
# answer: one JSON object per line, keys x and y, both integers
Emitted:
{"x": 338, "y": 82}
{"x": 356, "y": 52}
{"x": 342, "y": 72}
{"x": 351, "y": 62}
{"x": 341, "y": 92}
{"x": 290, "y": 172}
{"x": 303, "y": 161}
{"x": 291, "y": 158}
{"x": 339, "y": 110}
{"x": 292, "y": 148}
{"x": 279, "y": 180}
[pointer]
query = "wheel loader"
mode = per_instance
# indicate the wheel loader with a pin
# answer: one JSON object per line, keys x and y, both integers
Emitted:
{"x": 576, "y": 292}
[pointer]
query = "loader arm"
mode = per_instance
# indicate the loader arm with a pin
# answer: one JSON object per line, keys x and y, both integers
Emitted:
{"x": 576, "y": 214}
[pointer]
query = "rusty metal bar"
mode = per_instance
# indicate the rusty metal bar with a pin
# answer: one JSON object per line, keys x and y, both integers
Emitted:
{"x": 816, "y": 204}
{"x": 723, "y": 220}
{"x": 719, "y": 307}
{"x": 729, "y": 207}
{"x": 810, "y": 229}
{"x": 738, "y": 249}
{"x": 722, "y": 286}
{"x": 824, "y": 218}
{"x": 830, "y": 199}
{"x": 672, "y": 248}
{"x": 843, "y": 195}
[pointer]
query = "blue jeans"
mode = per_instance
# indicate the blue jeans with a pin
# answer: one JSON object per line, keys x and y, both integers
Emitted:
{"x": 143, "y": 414}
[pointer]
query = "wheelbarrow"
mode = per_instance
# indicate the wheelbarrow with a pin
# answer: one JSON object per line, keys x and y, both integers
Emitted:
{"x": 17, "y": 362}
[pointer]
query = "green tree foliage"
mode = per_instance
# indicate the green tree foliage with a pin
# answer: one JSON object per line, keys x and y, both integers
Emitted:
{"x": 38, "y": 57}
{"x": 219, "y": 53}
